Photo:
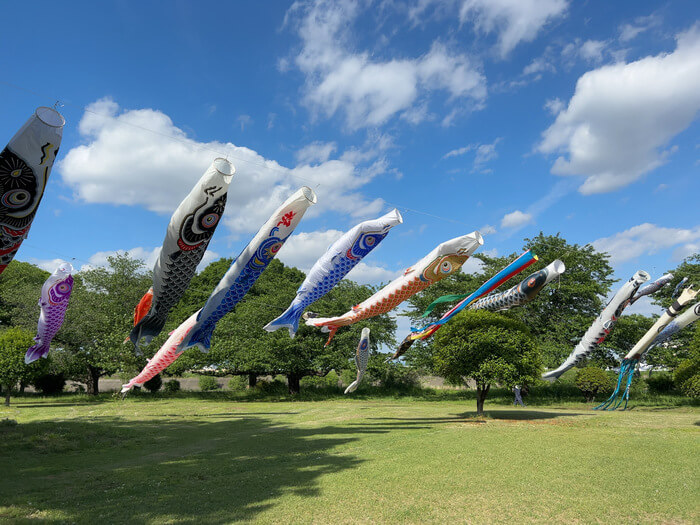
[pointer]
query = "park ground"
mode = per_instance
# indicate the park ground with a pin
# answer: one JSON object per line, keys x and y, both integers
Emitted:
{"x": 211, "y": 459}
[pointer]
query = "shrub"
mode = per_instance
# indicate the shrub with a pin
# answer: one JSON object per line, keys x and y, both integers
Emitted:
{"x": 330, "y": 380}
{"x": 691, "y": 387}
{"x": 660, "y": 383}
{"x": 591, "y": 380}
{"x": 154, "y": 384}
{"x": 238, "y": 383}
{"x": 49, "y": 384}
{"x": 686, "y": 371}
{"x": 399, "y": 376}
{"x": 208, "y": 383}
{"x": 171, "y": 386}
{"x": 276, "y": 386}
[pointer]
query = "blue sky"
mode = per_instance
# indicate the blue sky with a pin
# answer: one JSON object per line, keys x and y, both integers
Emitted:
{"x": 509, "y": 116}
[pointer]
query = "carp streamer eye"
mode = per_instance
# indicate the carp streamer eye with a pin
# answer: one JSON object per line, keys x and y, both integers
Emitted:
{"x": 15, "y": 198}
{"x": 209, "y": 220}
{"x": 446, "y": 267}
{"x": 63, "y": 288}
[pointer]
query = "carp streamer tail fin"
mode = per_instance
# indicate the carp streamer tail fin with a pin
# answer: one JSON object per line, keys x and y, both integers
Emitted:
{"x": 290, "y": 319}
{"x": 626, "y": 375}
{"x": 35, "y": 352}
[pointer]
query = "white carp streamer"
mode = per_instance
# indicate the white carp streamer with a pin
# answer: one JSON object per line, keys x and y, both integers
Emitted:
{"x": 671, "y": 312}
{"x": 361, "y": 360}
{"x": 687, "y": 318}
{"x": 603, "y": 324}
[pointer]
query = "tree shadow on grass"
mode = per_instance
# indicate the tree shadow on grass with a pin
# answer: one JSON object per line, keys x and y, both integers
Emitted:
{"x": 111, "y": 470}
{"x": 472, "y": 417}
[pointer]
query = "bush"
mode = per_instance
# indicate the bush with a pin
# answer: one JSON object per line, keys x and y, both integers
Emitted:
{"x": 691, "y": 387}
{"x": 591, "y": 380}
{"x": 49, "y": 384}
{"x": 171, "y": 386}
{"x": 687, "y": 370}
{"x": 208, "y": 383}
{"x": 660, "y": 383}
{"x": 238, "y": 383}
{"x": 276, "y": 386}
{"x": 330, "y": 380}
{"x": 399, "y": 376}
{"x": 153, "y": 384}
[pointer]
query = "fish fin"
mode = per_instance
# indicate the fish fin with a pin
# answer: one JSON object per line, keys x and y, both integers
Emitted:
{"x": 352, "y": 387}
{"x": 290, "y": 319}
{"x": 201, "y": 339}
{"x": 332, "y": 329}
{"x": 35, "y": 352}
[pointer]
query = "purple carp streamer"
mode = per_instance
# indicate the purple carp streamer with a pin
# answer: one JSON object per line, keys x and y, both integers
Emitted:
{"x": 342, "y": 256}
{"x": 361, "y": 360}
{"x": 602, "y": 326}
{"x": 522, "y": 293}
{"x": 186, "y": 239}
{"x": 25, "y": 166}
{"x": 248, "y": 266}
{"x": 53, "y": 303}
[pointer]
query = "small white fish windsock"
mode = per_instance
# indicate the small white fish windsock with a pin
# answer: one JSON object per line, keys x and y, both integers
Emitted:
{"x": 672, "y": 311}
{"x": 53, "y": 303}
{"x": 25, "y": 166}
{"x": 248, "y": 266}
{"x": 191, "y": 227}
{"x": 361, "y": 360}
{"x": 652, "y": 287}
{"x": 164, "y": 357}
{"x": 341, "y": 257}
{"x": 602, "y": 326}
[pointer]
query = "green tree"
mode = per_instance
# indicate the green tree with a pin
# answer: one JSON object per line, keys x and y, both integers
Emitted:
{"x": 591, "y": 380}
{"x": 486, "y": 348}
{"x": 99, "y": 317}
{"x": 20, "y": 290}
{"x": 14, "y": 343}
{"x": 557, "y": 317}
{"x": 241, "y": 346}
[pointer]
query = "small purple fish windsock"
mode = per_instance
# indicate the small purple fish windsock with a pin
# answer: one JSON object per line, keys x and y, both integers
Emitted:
{"x": 53, "y": 303}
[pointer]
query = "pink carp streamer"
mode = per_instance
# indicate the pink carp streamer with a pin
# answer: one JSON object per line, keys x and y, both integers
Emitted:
{"x": 164, "y": 357}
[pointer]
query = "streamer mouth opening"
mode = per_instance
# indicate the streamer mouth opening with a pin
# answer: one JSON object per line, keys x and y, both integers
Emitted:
{"x": 644, "y": 276}
{"x": 66, "y": 267}
{"x": 396, "y": 215}
{"x": 309, "y": 194}
{"x": 558, "y": 266}
{"x": 478, "y": 238}
{"x": 225, "y": 168}
{"x": 50, "y": 117}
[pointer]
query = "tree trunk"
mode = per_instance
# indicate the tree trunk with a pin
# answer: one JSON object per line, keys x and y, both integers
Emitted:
{"x": 8, "y": 391}
{"x": 481, "y": 393}
{"x": 252, "y": 380}
{"x": 93, "y": 380}
{"x": 293, "y": 382}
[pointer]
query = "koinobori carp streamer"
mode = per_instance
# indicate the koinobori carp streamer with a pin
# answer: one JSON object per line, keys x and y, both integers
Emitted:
{"x": 25, "y": 166}
{"x": 248, "y": 266}
{"x": 191, "y": 227}
{"x": 446, "y": 259}
{"x": 342, "y": 256}
{"x": 53, "y": 303}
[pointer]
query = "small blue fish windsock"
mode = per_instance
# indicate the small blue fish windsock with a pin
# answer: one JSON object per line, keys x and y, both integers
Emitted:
{"x": 342, "y": 256}
{"x": 248, "y": 266}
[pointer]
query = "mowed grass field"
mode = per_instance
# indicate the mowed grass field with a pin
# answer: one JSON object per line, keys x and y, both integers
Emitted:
{"x": 197, "y": 460}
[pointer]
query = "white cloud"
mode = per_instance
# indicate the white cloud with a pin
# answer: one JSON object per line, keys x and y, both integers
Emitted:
{"x": 515, "y": 21}
{"x": 647, "y": 239}
{"x": 487, "y": 229}
{"x": 554, "y": 106}
{"x": 483, "y": 153}
{"x": 643, "y": 23}
{"x": 538, "y": 65}
{"x": 592, "y": 50}
{"x": 244, "y": 121}
{"x": 49, "y": 265}
{"x": 515, "y": 219}
{"x": 364, "y": 273}
{"x": 622, "y": 116}
{"x": 140, "y": 158}
{"x": 148, "y": 255}
{"x": 473, "y": 265}
{"x": 316, "y": 152}
{"x": 366, "y": 90}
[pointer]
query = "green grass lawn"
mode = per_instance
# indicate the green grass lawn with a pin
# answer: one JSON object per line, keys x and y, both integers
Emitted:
{"x": 215, "y": 460}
